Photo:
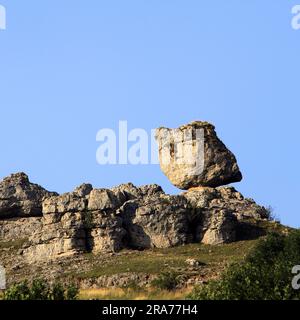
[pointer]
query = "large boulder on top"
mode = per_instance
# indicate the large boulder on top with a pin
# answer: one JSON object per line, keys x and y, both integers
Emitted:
{"x": 21, "y": 198}
{"x": 193, "y": 156}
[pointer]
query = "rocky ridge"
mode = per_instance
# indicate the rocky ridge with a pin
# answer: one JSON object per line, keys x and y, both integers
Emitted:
{"x": 108, "y": 220}
{"x": 91, "y": 220}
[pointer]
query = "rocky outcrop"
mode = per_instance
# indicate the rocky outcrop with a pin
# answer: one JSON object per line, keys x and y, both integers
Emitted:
{"x": 19, "y": 228}
{"x": 20, "y": 198}
{"x": 193, "y": 156}
{"x": 76, "y": 222}
{"x": 122, "y": 280}
{"x": 225, "y": 198}
{"x": 43, "y": 226}
{"x": 108, "y": 220}
{"x": 158, "y": 221}
{"x": 222, "y": 214}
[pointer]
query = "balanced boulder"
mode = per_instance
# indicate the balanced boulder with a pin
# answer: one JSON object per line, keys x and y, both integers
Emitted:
{"x": 193, "y": 156}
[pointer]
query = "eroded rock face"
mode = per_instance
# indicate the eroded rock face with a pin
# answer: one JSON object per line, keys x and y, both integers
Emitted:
{"x": 61, "y": 235}
{"x": 77, "y": 222}
{"x": 193, "y": 156}
{"x": 225, "y": 198}
{"x": 19, "y": 228}
{"x": 107, "y": 220}
{"x": 158, "y": 221}
{"x": 217, "y": 213}
{"x": 21, "y": 198}
{"x": 106, "y": 232}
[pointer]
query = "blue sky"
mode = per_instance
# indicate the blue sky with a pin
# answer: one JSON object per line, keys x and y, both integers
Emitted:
{"x": 69, "y": 68}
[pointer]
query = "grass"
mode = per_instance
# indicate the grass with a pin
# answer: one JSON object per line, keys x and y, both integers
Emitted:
{"x": 133, "y": 294}
{"x": 213, "y": 260}
{"x": 156, "y": 260}
{"x": 17, "y": 244}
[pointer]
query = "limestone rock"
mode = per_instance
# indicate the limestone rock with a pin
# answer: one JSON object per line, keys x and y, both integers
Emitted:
{"x": 225, "y": 198}
{"x": 218, "y": 226}
{"x": 68, "y": 202}
{"x": 157, "y": 222}
{"x": 103, "y": 199}
{"x": 193, "y": 263}
{"x": 83, "y": 190}
{"x": 193, "y": 156}
{"x": 105, "y": 232}
{"x": 61, "y": 235}
{"x": 107, "y": 220}
{"x": 217, "y": 213}
{"x": 120, "y": 280}
{"x": 80, "y": 221}
{"x": 21, "y": 198}
{"x": 19, "y": 228}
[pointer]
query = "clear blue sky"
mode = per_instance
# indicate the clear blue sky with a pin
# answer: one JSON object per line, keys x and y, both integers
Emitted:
{"x": 69, "y": 68}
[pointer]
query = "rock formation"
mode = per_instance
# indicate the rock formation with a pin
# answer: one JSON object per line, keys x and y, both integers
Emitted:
{"x": 193, "y": 156}
{"x": 108, "y": 220}
{"x": 20, "y": 198}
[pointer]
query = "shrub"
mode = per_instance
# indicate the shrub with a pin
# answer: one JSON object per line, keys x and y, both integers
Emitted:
{"x": 19, "y": 291}
{"x": 166, "y": 281}
{"x": 58, "y": 292}
{"x": 271, "y": 215}
{"x": 72, "y": 292}
{"x": 266, "y": 274}
{"x": 41, "y": 290}
{"x": 132, "y": 285}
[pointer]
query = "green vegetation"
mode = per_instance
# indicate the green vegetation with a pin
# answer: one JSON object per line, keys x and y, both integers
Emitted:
{"x": 266, "y": 273}
{"x": 271, "y": 215}
{"x": 153, "y": 261}
{"x": 166, "y": 281}
{"x": 133, "y": 294}
{"x": 242, "y": 280}
{"x": 17, "y": 244}
{"x": 41, "y": 290}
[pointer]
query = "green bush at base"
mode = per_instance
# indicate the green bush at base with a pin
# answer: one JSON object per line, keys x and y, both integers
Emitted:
{"x": 41, "y": 290}
{"x": 266, "y": 274}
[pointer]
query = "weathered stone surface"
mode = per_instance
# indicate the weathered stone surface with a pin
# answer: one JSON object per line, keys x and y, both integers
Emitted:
{"x": 76, "y": 222}
{"x": 125, "y": 192}
{"x": 83, "y": 190}
{"x": 218, "y": 212}
{"x": 21, "y": 198}
{"x": 118, "y": 280}
{"x": 159, "y": 221}
{"x": 68, "y": 202}
{"x": 193, "y": 263}
{"x": 105, "y": 232}
{"x": 19, "y": 228}
{"x": 218, "y": 226}
{"x": 61, "y": 235}
{"x": 193, "y": 156}
{"x": 107, "y": 220}
{"x": 225, "y": 198}
{"x": 103, "y": 199}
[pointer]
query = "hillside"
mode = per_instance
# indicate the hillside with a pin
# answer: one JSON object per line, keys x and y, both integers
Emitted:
{"x": 132, "y": 235}
{"x": 128, "y": 274}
